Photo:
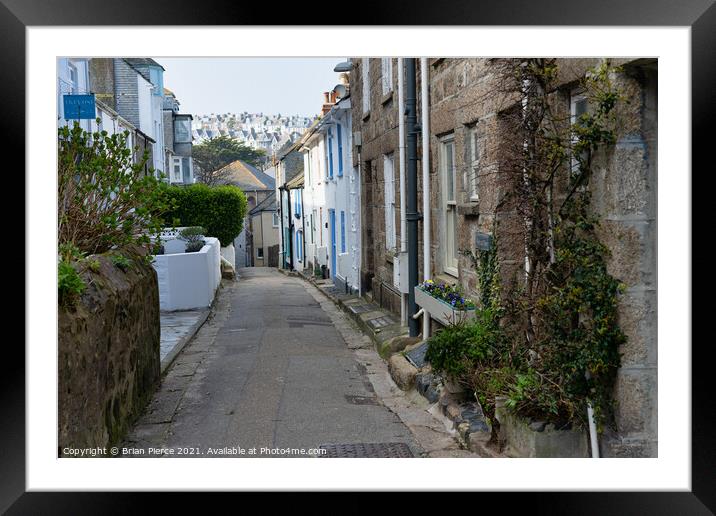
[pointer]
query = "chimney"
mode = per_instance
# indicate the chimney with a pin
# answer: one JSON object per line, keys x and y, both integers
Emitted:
{"x": 329, "y": 98}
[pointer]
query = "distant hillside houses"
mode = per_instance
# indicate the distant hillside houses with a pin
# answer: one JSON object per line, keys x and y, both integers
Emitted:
{"x": 257, "y": 130}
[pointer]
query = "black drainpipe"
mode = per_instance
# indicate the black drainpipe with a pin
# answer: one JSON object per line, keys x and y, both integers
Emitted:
{"x": 280, "y": 211}
{"x": 290, "y": 231}
{"x": 411, "y": 210}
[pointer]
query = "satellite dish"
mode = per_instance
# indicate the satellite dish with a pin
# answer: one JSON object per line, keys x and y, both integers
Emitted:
{"x": 340, "y": 90}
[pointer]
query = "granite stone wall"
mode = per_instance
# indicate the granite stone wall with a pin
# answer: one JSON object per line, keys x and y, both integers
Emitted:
{"x": 464, "y": 94}
{"x": 108, "y": 354}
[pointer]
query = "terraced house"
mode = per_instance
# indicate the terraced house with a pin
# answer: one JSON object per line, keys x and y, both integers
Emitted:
{"x": 473, "y": 195}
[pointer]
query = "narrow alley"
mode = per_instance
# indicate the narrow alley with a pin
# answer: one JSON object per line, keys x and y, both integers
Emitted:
{"x": 279, "y": 370}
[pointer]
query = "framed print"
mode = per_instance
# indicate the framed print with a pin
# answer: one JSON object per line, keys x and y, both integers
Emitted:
{"x": 441, "y": 234}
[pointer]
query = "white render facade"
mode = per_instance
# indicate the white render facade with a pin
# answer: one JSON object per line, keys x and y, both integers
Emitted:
{"x": 331, "y": 199}
{"x": 137, "y": 102}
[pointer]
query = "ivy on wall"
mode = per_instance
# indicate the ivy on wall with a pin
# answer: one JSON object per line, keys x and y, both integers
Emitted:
{"x": 550, "y": 343}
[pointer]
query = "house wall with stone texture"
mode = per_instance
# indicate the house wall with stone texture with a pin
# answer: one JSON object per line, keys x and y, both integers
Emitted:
{"x": 108, "y": 354}
{"x": 379, "y": 137}
{"x": 463, "y": 95}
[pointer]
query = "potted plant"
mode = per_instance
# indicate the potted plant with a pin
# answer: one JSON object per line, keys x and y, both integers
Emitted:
{"x": 445, "y": 303}
{"x": 194, "y": 238}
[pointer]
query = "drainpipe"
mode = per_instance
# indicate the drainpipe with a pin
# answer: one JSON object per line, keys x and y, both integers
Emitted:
{"x": 412, "y": 216}
{"x": 425, "y": 128}
{"x": 303, "y": 230}
{"x": 290, "y": 231}
{"x": 401, "y": 146}
{"x": 593, "y": 436}
{"x": 281, "y": 214}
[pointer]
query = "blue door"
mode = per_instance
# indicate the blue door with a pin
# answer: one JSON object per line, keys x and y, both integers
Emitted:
{"x": 332, "y": 218}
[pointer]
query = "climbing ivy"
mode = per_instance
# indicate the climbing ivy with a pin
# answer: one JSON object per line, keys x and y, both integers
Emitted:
{"x": 553, "y": 344}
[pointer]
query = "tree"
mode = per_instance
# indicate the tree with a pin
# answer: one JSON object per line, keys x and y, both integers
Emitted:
{"x": 214, "y": 154}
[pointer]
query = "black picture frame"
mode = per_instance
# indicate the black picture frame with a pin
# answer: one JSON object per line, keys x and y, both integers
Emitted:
{"x": 700, "y": 15}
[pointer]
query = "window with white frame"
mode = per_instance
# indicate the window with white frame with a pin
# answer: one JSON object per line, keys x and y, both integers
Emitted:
{"x": 260, "y": 253}
{"x": 389, "y": 182}
{"x": 314, "y": 217}
{"x": 473, "y": 162}
{"x": 308, "y": 167}
{"x": 365, "y": 76}
{"x": 449, "y": 208}
{"x": 176, "y": 170}
{"x": 73, "y": 77}
{"x": 275, "y": 220}
{"x": 386, "y": 67}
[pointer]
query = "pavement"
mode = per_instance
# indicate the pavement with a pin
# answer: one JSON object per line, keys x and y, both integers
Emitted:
{"x": 381, "y": 325}
{"x": 280, "y": 369}
{"x": 177, "y": 328}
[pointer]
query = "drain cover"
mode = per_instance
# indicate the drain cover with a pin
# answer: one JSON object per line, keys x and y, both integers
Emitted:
{"x": 300, "y": 322}
{"x": 366, "y": 450}
{"x": 361, "y": 400}
{"x": 381, "y": 322}
{"x": 359, "y": 309}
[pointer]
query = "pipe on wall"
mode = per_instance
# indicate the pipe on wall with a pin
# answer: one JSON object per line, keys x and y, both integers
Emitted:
{"x": 425, "y": 126}
{"x": 401, "y": 153}
{"x": 412, "y": 216}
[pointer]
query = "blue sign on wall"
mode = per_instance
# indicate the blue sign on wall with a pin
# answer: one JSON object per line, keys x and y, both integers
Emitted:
{"x": 79, "y": 107}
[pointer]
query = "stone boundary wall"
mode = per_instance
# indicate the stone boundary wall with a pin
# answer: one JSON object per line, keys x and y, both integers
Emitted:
{"x": 108, "y": 353}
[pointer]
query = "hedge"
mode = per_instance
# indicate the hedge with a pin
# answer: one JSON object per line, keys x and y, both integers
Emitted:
{"x": 219, "y": 209}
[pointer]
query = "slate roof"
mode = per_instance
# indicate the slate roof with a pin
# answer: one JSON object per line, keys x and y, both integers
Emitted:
{"x": 247, "y": 177}
{"x": 268, "y": 204}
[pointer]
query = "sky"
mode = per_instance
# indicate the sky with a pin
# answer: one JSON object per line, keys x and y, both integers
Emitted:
{"x": 270, "y": 85}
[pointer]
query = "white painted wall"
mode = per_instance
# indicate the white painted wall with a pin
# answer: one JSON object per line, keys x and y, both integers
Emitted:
{"x": 158, "y": 132}
{"x": 189, "y": 280}
{"x": 66, "y": 85}
{"x": 229, "y": 253}
{"x": 144, "y": 94}
{"x": 341, "y": 193}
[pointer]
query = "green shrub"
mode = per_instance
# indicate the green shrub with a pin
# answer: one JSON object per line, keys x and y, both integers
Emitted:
{"x": 219, "y": 209}
{"x": 69, "y": 283}
{"x": 121, "y": 261}
{"x": 192, "y": 234}
{"x": 93, "y": 264}
{"x": 105, "y": 198}
{"x": 458, "y": 348}
{"x": 193, "y": 247}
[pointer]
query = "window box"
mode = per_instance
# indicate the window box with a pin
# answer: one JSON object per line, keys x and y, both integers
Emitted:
{"x": 439, "y": 310}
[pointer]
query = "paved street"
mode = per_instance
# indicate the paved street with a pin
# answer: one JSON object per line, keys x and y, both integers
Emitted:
{"x": 277, "y": 365}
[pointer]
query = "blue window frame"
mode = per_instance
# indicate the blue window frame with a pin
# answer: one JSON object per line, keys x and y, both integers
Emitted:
{"x": 343, "y": 231}
{"x": 340, "y": 150}
{"x": 299, "y": 246}
{"x": 330, "y": 154}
